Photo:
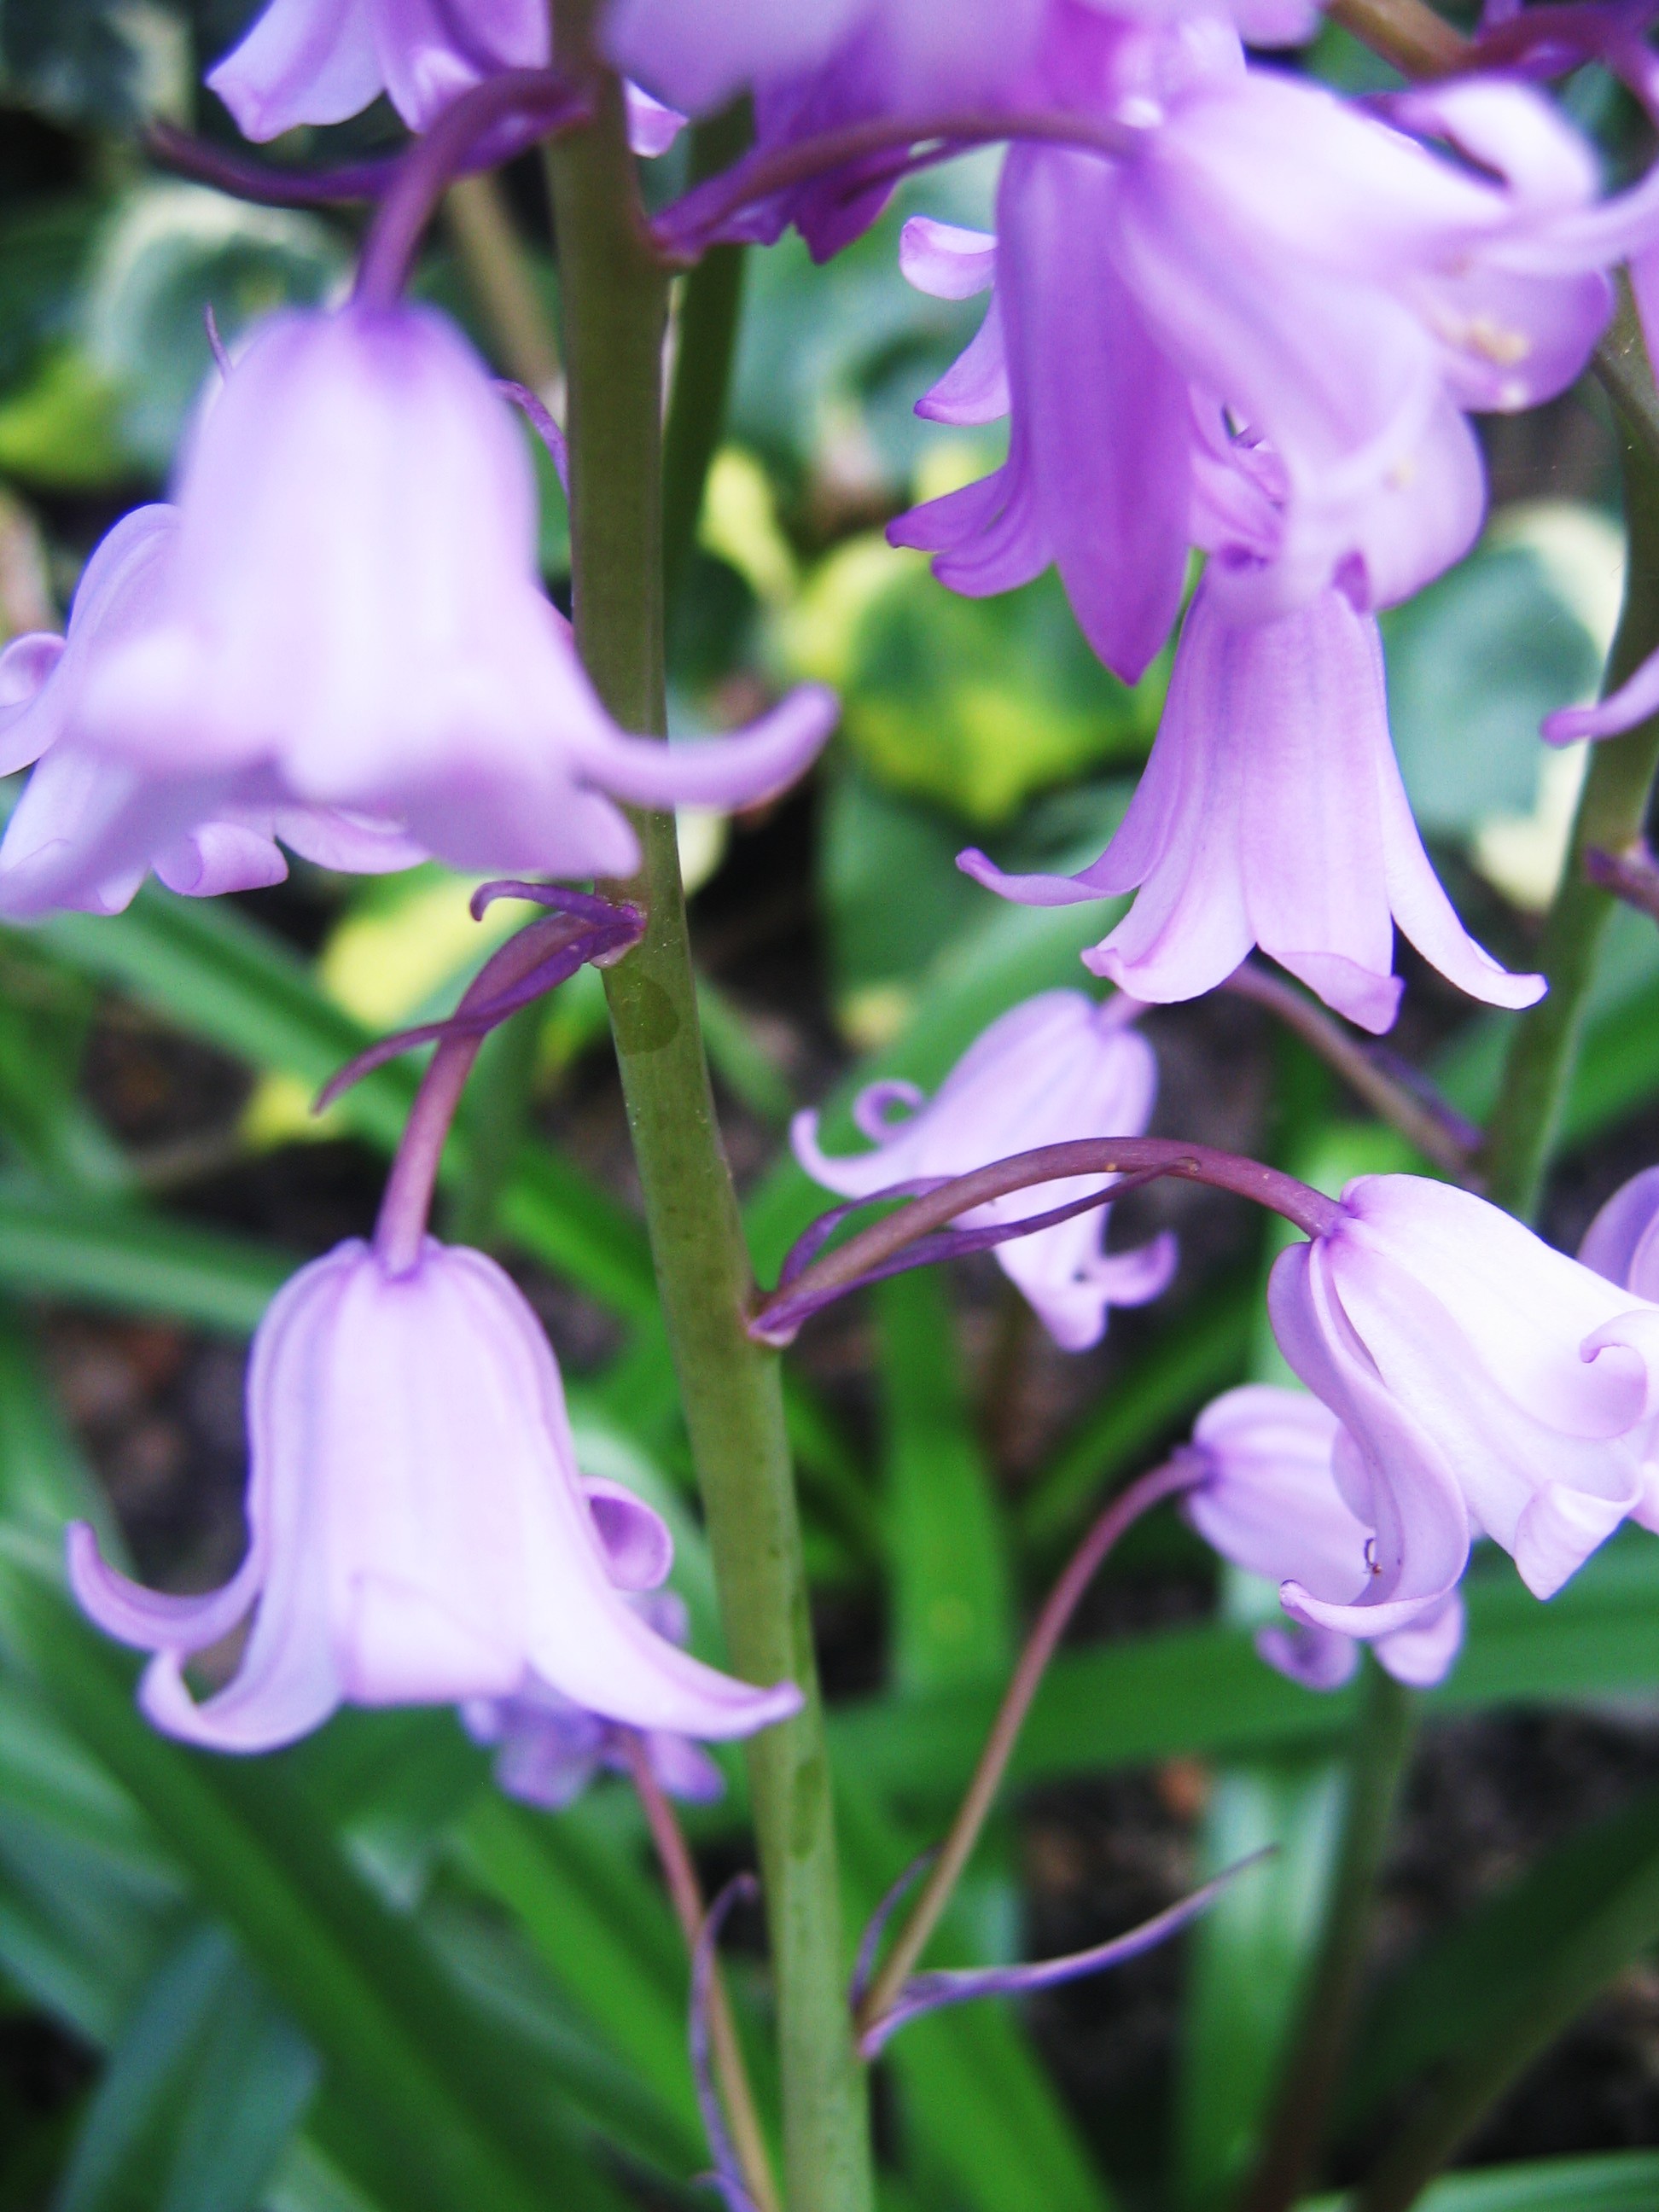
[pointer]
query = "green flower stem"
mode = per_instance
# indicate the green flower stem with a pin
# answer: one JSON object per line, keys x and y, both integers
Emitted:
{"x": 614, "y": 298}
{"x": 1613, "y": 811}
{"x": 1318, "y": 2044}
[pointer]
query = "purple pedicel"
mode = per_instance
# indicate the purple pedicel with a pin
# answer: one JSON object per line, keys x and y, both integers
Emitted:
{"x": 1270, "y": 1504}
{"x": 727, "y": 2176}
{"x": 88, "y": 831}
{"x": 1271, "y": 812}
{"x": 419, "y": 1532}
{"x": 536, "y": 414}
{"x": 931, "y": 1992}
{"x": 918, "y": 1228}
{"x": 348, "y": 615}
{"x": 1485, "y": 1385}
{"x": 869, "y": 1951}
{"x": 563, "y": 946}
{"x": 1057, "y": 1066}
{"x": 783, "y": 1316}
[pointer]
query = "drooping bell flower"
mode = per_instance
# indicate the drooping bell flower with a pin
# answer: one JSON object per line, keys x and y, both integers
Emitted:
{"x": 86, "y": 832}
{"x": 846, "y": 59}
{"x": 1486, "y": 1385}
{"x": 1270, "y": 1503}
{"x": 1098, "y": 477}
{"x": 418, "y": 1531}
{"x": 351, "y": 617}
{"x": 1271, "y": 814}
{"x": 321, "y": 61}
{"x": 1055, "y": 1067}
{"x": 1622, "y": 1244}
{"x": 548, "y": 1749}
{"x": 1277, "y": 309}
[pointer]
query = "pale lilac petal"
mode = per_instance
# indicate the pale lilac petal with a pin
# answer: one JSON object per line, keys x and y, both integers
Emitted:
{"x": 1636, "y": 699}
{"x": 303, "y": 61}
{"x": 220, "y": 857}
{"x": 151, "y": 1620}
{"x": 1316, "y": 1658}
{"x": 1622, "y": 1244}
{"x": 331, "y": 838}
{"x": 1054, "y": 1067}
{"x": 684, "y": 1769}
{"x": 651, "y": 127}
{"x": 24, "y": 666}
{"x": 1097, "y": 474}
{"x": 1425, "y": 1653}
{"x": 974, "y": 389}
{"x": 1514, "y": 132}
{"x": 431, "y": 51}
{"x": 84, "y": 834}
{"x": 44, "y": 678}
{"x": 638, "y": 1548}
{"x": 1412, "y": 1503}
{"x": 686, "y": 58}
{"x": 945, "y": 261}
{"x": 723, "y": 772}
{"x": 292, "y": 1693}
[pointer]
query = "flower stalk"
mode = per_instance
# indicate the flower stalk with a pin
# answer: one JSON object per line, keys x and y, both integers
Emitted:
{"x": 615, "y": 296}
{"x": 685, "y": 1893}
{"x": 887, "y": 1987}
{"x": 913, "y": 1230}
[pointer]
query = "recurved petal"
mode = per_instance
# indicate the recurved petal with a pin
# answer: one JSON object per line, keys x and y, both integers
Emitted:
{"x": 945, "y": 261}
{"x": 303, "y": 61}
{"x": 1425, "y": 1653}
{"x": 725, "y": 772}
{"x": 151, "y": 1620}
{"x": 638, "y": 1547}
{"x": 1621, "y": 1244}
{"x": 1318, "y": 1658}
{"x": 1634, "y": 700}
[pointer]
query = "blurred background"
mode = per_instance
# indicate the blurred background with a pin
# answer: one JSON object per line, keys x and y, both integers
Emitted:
{"x": 161, "y": 1173}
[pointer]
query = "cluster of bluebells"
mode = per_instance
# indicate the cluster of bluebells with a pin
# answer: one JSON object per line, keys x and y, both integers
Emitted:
{"x": 1229, "y": 314}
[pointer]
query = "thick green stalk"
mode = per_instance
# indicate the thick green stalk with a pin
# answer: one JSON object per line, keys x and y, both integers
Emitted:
{"x": 1318, "y": 2047}
{"x": 1613, "y": 810}
{"x": 615, "y": 299}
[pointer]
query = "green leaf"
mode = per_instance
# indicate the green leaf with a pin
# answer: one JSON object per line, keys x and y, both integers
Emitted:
{"x": 171, "y": 252}
{"x": 97, "y": 1252}
{"x": 1204, "y": 1351}
{"x": 603, "y": 1935}
{"x": 1249, "y": 1962}
{"x": 972, "y": 704}
{"x": 1203, "y": 1691}
{"x": 219, "y": 976}
{"x": 1595, "y": 1895}
{"x": 1621, "y": 2181}
{"x": 981, "y": 2117}
{"x": 356, "y": 1978}
{"x": 201, "y": 2094}
{"x": 952, "y": 1606}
